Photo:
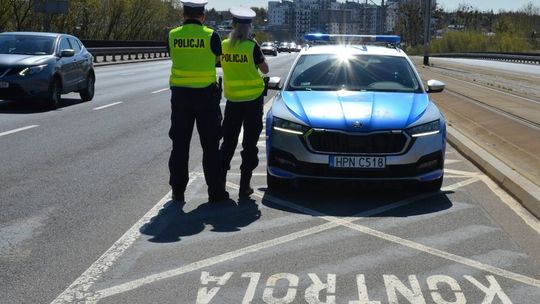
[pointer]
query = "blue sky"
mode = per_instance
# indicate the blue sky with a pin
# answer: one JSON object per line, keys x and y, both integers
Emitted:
{"x": 449, "y": 5}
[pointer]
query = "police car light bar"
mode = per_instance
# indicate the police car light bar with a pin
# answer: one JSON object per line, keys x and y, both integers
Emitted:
{"x": 359, "y": 38}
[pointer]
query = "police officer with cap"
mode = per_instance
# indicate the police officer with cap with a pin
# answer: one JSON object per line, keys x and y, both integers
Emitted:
{"x": 195, "y": 97}
{"x": 241, "y": 61}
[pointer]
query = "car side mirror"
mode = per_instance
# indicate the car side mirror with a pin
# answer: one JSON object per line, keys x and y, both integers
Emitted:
{"x": 67, "y": 53}
{"x": 274, "y": 83}
{"x": 435, "y": 86}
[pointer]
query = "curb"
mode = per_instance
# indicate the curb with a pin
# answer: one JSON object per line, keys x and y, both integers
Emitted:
{"x": 526, "y": 192}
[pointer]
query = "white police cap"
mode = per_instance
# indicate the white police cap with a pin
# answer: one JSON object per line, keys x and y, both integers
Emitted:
{"x": 242, "y": 14}
{"x": 194, "y": 3}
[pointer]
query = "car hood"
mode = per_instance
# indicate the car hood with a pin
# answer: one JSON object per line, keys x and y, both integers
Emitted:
{"x": 22, "y": 60}
{"x": 356, "y": 111}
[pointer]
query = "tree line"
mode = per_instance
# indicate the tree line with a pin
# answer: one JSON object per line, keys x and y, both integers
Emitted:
{"x": 468, "y": 29}
{"x": 95, "y": 19}
{"x": 473, "y": 30}
{"x": 107, "y": 19}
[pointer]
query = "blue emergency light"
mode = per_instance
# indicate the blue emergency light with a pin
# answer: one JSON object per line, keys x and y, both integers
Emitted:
{"x": 360, "y": 38}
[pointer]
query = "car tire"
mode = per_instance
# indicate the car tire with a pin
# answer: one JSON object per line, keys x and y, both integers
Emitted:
{"x": 275, "y": 184}
{"x": 431, "y": 186}
{"x": 55, "y": 93}
{"x": 88, "y": 92}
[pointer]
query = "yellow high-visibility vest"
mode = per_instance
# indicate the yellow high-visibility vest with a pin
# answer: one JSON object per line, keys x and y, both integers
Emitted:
{"x": 241, "y": 78}
{"x": 193, "y": 62}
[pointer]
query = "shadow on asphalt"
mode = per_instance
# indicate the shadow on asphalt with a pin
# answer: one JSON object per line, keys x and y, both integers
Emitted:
{"x": 352, "y": 199}
{"x": 172, "y": 223}
{"x": 33, "y": 106}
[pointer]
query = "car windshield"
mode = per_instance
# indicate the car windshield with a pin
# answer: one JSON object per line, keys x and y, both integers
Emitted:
{"x": 331, "y": 72}
{"x": 267, "y": 44}
{"x": 26, "y": 45}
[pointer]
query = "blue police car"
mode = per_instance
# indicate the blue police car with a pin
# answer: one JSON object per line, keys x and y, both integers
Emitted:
{"x": 355, "y": 111}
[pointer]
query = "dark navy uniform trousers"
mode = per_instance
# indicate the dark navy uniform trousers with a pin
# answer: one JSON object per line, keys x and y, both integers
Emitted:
{"x": 200, "y": 106}
{"x": 249, "y": 114}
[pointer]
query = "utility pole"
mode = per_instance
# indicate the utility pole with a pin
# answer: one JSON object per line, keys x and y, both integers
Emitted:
{"x": 381, "y": 22}
{"x": 427, "y": 30}
{"x": 364, "y": 21}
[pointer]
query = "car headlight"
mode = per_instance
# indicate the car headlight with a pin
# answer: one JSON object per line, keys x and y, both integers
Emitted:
{"x": 429, "y": 128}
{"x": 32, "y": 70}
{"x": 289, "y": 126}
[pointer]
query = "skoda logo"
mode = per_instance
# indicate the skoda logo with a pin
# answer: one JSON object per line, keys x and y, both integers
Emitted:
{"x": 357, "y": 124}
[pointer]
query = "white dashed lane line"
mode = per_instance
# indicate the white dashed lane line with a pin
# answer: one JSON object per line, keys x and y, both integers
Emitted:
{"x": 107, "y": 106}
{"x": 18, "y": 130}
{"x": 159, "y": 91}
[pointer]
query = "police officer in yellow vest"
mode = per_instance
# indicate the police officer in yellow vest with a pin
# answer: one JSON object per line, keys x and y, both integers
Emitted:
{"x": 243, "y": 87}
{"x": 195, "y": 98}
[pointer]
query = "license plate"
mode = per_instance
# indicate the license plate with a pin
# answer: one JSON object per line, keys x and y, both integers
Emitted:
{"x": 359, "y": 162}
{"x": 4, "y": 85}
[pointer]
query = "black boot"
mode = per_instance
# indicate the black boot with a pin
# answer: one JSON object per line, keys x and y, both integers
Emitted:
{"x": 219, "y": 194}
{"x": 245, "y": 188}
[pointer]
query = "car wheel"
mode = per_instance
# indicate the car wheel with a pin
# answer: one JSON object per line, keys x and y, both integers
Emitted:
{"x": 55, "y": 93}
{"x": 275, "y": 184}
{"x": 88, "y": 93}
{"x": 431, "y": 186}
{"x": 275, "y": 53}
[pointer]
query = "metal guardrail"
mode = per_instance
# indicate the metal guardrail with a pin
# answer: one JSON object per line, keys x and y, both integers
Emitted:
{"x": 127, "y": 53}
{"x": 148, "y": 52}
{"x": 530, "y": 58}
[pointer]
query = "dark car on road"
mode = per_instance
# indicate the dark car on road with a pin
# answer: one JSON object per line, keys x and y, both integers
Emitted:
{"x": 283, "y": 47}
{"x": 269, "y": 48}
{"x": 44, "y": 66}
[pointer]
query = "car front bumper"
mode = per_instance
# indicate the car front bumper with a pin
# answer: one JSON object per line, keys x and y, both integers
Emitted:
{"x": 289, "y": 157}
{"x": 22, "y": 87}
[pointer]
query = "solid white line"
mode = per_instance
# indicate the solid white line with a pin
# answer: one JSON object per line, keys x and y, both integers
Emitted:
{"x": 254, "y": 173}
{"x": 523, "y": 213}
{"x": 131, "y": 285}
{"x": 78, "y": 290}
{"x": 442, "y": 254}
{"x": 452, "y": 161}
{"x": 18, "y": 130}
{"x": 463, "y": 173}
{"x": 104, "y": 293}
{"x": 159, "y": 91}
{"x": 107, "y": 106}
{"x": 413, "y": 245}
{"x": 461, "y": 184}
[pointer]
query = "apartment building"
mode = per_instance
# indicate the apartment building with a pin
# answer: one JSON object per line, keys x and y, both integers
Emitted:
{"x": 298, "y": 17}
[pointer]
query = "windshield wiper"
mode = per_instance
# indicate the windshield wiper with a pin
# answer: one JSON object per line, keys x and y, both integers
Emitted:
{"x": 299, "y": 89}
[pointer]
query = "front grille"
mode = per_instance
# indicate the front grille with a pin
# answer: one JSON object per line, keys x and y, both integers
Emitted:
{"x": 286, "y": 161}
{"x": 375, "y": 143}
{"x": 14, "y": 91}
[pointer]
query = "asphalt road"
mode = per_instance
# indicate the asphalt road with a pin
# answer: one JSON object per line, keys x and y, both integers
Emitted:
{"x": 86, "y": 217}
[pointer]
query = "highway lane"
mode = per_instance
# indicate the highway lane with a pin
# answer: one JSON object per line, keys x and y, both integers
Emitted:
{"x": 78, "y": 189}
{"x": 73, "y": 184}
{"x": 346, "y": 244}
